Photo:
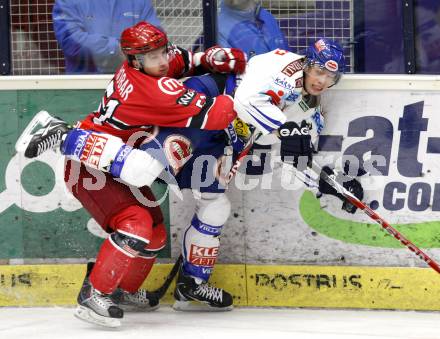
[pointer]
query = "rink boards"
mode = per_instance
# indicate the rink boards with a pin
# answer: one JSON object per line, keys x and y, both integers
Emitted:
{"x": 251, "y": 285}
{"x": 280, "y": 247}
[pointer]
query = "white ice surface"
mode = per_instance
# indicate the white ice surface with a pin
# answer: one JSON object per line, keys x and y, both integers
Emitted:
{"x": 26, "y": 323}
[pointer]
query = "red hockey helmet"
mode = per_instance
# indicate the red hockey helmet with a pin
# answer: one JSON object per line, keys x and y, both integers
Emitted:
{"x": 142, "y": 38}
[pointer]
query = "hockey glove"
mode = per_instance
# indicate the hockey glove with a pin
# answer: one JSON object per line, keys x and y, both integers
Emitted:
{"x": 349, "y": 183}
{"x": 296, "y": 144}
{"x": 224, "y": 60}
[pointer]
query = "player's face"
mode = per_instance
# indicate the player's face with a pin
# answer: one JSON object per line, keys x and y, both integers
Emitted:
{"x": 156, "y": 62}
{"x": 318, "y": 79}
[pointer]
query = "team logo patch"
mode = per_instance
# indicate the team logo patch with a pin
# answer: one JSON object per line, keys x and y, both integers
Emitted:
{"x": 331, "y": 65}
{"x": 93, "y": 150}
{"x": 203, "y": 256}
{"x": 178, "y": 150}
{"x": 292, "y": 68}
{"x": 170, "y": 86}
{"x": 186, "y": 98}
{"x": 320, "y": 45}
{"x": 241, "y": 128}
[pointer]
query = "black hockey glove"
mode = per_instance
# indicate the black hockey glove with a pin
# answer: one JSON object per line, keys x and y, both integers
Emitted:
{"x": 352, "y": 185}
{"x": 296, "y": 144}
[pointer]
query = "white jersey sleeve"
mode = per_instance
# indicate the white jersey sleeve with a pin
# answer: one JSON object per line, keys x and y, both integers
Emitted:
{"x": 272, "y": 81}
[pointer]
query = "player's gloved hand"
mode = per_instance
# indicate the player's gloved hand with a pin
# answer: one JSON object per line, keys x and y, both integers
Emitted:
{"x": 296, "y": 144}
{"x": 224, "y": 60}
{"x": 349, "y": 183}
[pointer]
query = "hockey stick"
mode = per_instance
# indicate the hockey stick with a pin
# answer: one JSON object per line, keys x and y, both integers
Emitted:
{"x": 160, "y": 292}
{"x": 373, "y": 215}
{"x": 240, "y": 156}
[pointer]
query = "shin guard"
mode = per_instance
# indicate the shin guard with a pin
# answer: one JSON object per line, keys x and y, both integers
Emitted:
{"x": 110, "y": 267}
{"x": 133, "y": 228}
{"x": 141, "y": 266}
{"x": 201, "y": 238}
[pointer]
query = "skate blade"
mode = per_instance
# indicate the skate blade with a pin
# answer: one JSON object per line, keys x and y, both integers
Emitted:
{"x": 86, "y": 314}
{"x": 137, "y": 309}
{"x": 41, "y": 118}
{"x": 195, "y": 306}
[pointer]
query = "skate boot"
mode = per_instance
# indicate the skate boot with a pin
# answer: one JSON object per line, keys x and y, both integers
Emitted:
{"x": 97, "y": 308}
{"x": 140, "y": 301}
{"x": 35, "y": 142}
{"x": 191, "y": 295}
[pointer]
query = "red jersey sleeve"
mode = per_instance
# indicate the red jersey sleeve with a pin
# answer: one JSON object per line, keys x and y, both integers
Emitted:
{"x": 135, "y": 100}
{"x": 179, "y": 106}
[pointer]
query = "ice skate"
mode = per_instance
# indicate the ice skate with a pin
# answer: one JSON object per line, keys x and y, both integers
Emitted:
{"x": 97, "y": 308}
{"x": 192, "y": 296}
{"x": 140, "y": 301}
{"x": 34, "y": 142}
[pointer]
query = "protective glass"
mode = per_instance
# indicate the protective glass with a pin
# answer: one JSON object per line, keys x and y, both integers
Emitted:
{"x": 318, "y": 71}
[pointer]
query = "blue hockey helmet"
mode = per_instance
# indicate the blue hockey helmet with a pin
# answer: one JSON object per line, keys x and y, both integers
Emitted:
{"x": 327, "y": 54}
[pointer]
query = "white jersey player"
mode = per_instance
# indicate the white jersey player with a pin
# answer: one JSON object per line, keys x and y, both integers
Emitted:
{"x": 279, "y": 96}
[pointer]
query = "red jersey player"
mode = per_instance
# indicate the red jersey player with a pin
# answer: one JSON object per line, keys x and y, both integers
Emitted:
{"x": 143, "y": 92}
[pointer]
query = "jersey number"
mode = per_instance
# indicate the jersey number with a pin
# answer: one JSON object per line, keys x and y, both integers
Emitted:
{"x": 107, "y": 106}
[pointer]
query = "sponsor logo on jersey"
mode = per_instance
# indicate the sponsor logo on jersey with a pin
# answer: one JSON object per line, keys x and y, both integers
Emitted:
{"x": 292, "y": 96}
{"x": 203, "y": 256}
{"x": 283, "y": 82}
{"x": 186, "y": 98}
{"x": 93, "y": 149}
{"x": 285, "y": 132}
{"x": 170, "y": 86}
{"x": 331, "y": 65}
{"x": 292, "y": 68}
{"x": 319, "y": 124}
{"x": 178, "y": 150}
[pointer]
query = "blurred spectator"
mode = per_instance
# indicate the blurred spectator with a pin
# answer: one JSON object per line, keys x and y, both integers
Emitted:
{"x": 246, "y": 25}
{"x": 88, "y": 31}
{"x": 379, "y": 37}
{"x": 427, "y": 26}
